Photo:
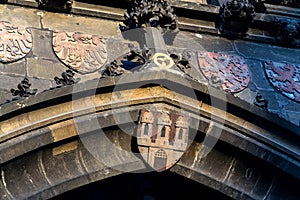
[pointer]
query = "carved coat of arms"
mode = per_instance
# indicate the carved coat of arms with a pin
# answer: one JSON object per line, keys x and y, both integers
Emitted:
{"x": 229, "y": 71}
{"x": 285, "y": 78}
{"x": 83, "y": 53}
{"x": 162, "y": 138}
{"x": 15, "y": 42}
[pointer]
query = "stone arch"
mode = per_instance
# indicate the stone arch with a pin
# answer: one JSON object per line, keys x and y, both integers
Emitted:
{"x": 41, "y": 137}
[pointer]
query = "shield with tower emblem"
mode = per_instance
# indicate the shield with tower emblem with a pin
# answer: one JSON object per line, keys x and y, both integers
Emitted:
{"x": 162, "y": 138}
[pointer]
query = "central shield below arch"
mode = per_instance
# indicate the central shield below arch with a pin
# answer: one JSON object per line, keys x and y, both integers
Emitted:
{"x": 162, "y": 138}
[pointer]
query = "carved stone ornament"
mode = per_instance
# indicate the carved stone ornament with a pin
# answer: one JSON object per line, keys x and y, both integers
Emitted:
{"x": 83, "y": 53}
{"x": 292, "y": 3}
{"x": 260, "y": 101}
{"x": 23, "y": 89}
{"x": 162, "y": 138}
{"x": 285, "y": 78}
{"x": 15, "y": 42}
{"x": 230, "y": 71}
{"x": 113, "y": 69}
{"x": 236, "y": 17}
{"x": 136, "y": 57}
{"x": 182, "y": 60}
{"x": 286, "y": 31}
{"x": 67, "y": 79}
{"x": 150, "y": 13}
{"x": 62, "y": 5}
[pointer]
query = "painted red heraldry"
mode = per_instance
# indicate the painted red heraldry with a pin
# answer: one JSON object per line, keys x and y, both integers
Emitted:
{"x": 162, "y": 138}
{"x": 15, "y": 42}
{"x": 230, "y": 71}
{"x": 285, "y": 78}
{"x": 83, "y": 53}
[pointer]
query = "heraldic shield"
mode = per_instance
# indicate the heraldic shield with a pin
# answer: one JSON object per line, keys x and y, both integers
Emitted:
{"x": 230, "y": 71}
{"x": 80, "y": 52}
{"x": 285, "y": 78}
{"x": 162, "y": 138}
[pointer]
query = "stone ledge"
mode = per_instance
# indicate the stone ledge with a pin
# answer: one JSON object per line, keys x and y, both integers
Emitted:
{"x": 191, "y": 22}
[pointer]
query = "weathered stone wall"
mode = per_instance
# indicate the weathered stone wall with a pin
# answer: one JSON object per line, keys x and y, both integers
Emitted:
{"x": 41, "y": 64}
{"x": 256, "y": 54}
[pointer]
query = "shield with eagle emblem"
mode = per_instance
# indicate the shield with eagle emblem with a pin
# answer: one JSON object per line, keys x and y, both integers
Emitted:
{"x": 162, "y": 138}
{"x": 230, "y": 71}
{"x": 285, "y": 78}
{"x": 15, "y": 42}
{"x": 81, "y": 52}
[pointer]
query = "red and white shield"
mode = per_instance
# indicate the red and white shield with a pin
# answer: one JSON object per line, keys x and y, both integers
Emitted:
{"x": 285, "y": 78}
{"x": 15, "y": 42}
{"x": 162, "y": 138}
{"x": 81, "y": 52}
{"x": 230, "y": 71}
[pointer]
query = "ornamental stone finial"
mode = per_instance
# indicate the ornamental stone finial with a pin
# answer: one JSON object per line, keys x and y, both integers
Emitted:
{"x": 236, "y": 17}
{"x": 150, "y": 13}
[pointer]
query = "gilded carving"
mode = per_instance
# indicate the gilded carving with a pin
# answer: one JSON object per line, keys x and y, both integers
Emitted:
{"x": 230, "y": 71}
{"x": 15, "y": 42}
{"x": 83, "y": 53}
{"x": 163, "y": 61}
{"x": 285, "y": 78}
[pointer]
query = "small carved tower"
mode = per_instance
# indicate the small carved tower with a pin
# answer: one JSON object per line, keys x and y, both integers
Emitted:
{"x": 163, "y": 129}
{"x": 181, "y": 132}
{"x": 146, "y": 127}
